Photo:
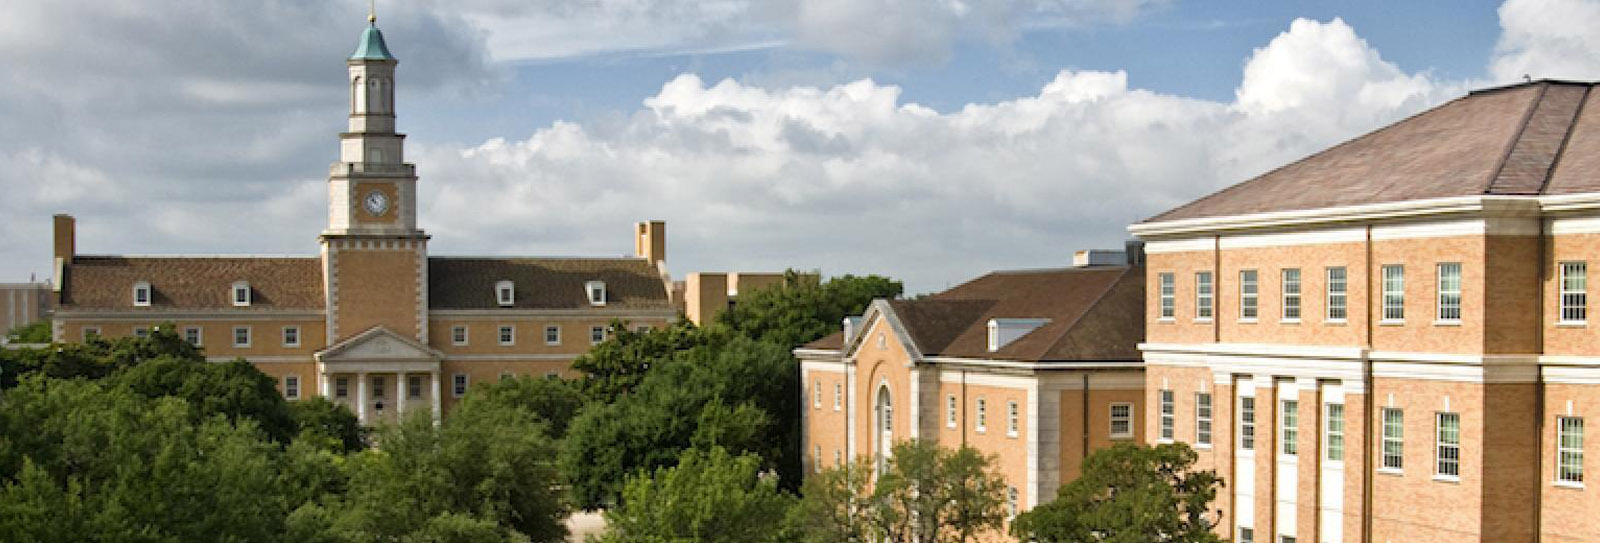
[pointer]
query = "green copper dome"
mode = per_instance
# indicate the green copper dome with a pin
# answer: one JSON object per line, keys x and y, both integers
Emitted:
{"x": 371, "y": 46}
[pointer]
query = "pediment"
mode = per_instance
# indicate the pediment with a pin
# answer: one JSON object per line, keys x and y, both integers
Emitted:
{"x": 378, "y": 344}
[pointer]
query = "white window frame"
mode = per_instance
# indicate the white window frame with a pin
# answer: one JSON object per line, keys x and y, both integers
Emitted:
{"x": 1204, "y": 415}
{"x": 1168, "y": 286}
{"x": 1249, "y": 295}
{"x": 1392, "y": 461}
{"x": 91, "y": 332}
{"x": 1247, "y": 534}
{"x": 247, "y": 336}
{"x": 1447, "y": 302}
{"x": 1169, "y": 415}
{"x": 556, "y": 329}
{"x": 1333, "y": 427}
{"x": 458, "y": 384}
{"x": 1204, "y": 296}
{"x": 1247, "y": 423}
{"x": 950, "y": 407}
{"x": 838, "y": 396}
{"x": 505, "y": 293}
{"x": 507, "y": 334}
{"x": 413, "y": 386}
{"x": 1013, "y": 418}
{"x": 295, "y": 331}
{"x": 341, "y": 387}
{"x": 597, "y": 334}
{"x": 596, "y": 291}
{"x": 1013, "y": 502}
{"x": 816, "y": 394}
{"x": 1290, "y": 299}
{"x": 1446, "y": 453}
{"x": 142, "y": 294}
{"x": 240, "y": 294}
{"x": 1289, "y": 427}
{"x": 193, "y": 335}
{"x": 1573, "y": 302}
{"x": 983, "y": 415}
{"x": 1125, "y": 420}
{"x": 1394, "y": 294}
{"x": 460, "y": 335}
{"x": 1569, "y": 456}
{"x": 291, "y": 387}
{"x": 1337, "y": 308}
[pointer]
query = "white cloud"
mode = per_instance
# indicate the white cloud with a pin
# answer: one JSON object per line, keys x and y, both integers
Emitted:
{"x": 1554, "y": 39}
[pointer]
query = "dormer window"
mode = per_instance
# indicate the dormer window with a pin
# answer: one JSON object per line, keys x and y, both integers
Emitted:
{"x": 1004, "y": 331}
{"x": 141, "y": 294}
{"x": 505, "y": 293}
{"x": 597, "y": 292}
{"x": 241, "y": 294}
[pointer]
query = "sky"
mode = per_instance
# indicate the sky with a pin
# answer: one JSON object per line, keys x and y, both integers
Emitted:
{"x": 927, "y": 140}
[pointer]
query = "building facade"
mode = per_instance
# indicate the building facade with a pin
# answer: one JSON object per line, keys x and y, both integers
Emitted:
{"x": 1035, "y": 367}
{"x": 22, "y": 304}
{"x": 373, "y": 320}
{"x": 1389, "y": 340}
{"x": 704, "y": 295}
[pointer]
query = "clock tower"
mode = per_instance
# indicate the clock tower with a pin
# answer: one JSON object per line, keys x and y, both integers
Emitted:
{"x": 374, "y": 257}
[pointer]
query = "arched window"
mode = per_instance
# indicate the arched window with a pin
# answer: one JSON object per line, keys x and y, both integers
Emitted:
{"x": 884, "y": 422}
{"x": 355, "y": 95}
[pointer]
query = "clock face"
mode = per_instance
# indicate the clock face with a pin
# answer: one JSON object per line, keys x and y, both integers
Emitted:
{"x": 376, "y": 203}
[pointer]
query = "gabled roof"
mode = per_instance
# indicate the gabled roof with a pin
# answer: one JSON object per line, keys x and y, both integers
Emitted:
{"x": 378, "y": 343}
{"x": 1533, "y": 138}
{"x": 192, "y": 283}
{"x": 544, "y": 283}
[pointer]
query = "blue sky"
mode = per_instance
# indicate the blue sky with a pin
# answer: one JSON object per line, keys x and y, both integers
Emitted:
{"x": 928, "y": 140}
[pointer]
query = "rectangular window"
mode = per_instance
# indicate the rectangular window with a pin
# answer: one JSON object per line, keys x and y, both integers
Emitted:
{"x": 505, "y": 293}
{"x": 458, "y": 385}
{"x": 1450, "y": 292}
{"x": 1289, "y": 426}
{"x": 1169, "y": 412}
{"x": 1011, "y": 502}
{"x": 1394, "y": 293}
{"x": 1285, "y": 539}
{"x": 90, "y": 332}
{"x": 1247, "y": 423}
{"x": 1168, "y": 295}
{"x": 552, "y": 335}
{"x": 816, "y": 394}
{"x": 1338, "y": 294}
{"x": 1574, "y": 292}
{"x": 816, "y": 460}
{"x": 241, "y": 294}
{"x": 1569, "y": 449}
{"x": 838, "y": 396}
{"x": 1448, "y": 445}
{"x": 341, "y": 387}
{"x": 1247, "y": 535}
{"x": 983, "y": 415}
{"x": 950, "y": 411}
{"x": 378, "y": 386}
{"x": 508, "y": 335}
{"x": 291, "y": 336}
{"x": 241, "y": 336}
{"x": 1121, "y": 420}
{"x": 1333, "y": 441}
{"x": 1394, "y": 447}
{"x": 1202, "y": 418}
{"x": 1013, "y": 419}
{"x": 1202, "y": 295}
{"x": 1291, "y": 294}
{"x": 414, "y": 386}
{"x": 1248, "y": 292}
{"x": 597, "y": 334}
{"x": 191, "y": 334}
{"x": 291, "y": 387}
{"x": 141, "y": 294}
{"x": 458, "y": 335}
{"x": 141, "y": 332}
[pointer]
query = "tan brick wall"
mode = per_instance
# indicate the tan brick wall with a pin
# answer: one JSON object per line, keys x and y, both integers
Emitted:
{"x": 1511, "y": 287}
{"x": 1568, "y": 514}
{"x": 1010, "y": 451}
{"x": 1420, "y": 258}
{"x": 483, "y": 334}
{"x": 825, "y": 425}
{"x": 375, "y": 288}
{"x": 1313, "y": 261}
{"x": 216, "y": 336}
{"x": 876, "y": 365}
{"x": 1412, "y": 504}
{"x": 1560, "y": 339}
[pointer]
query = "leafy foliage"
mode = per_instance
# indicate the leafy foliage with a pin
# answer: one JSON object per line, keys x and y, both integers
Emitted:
{"x": 837, "y": 506}
{"x": 710, "y": 496}
{"x": 804, "y": 309}
{"x": 619, "y": 364}
{"x": 926, "y": 494}
{"x": 555, "y": 401}
{"x": 38, "y": 332}
{"x": 1130, "y": 493}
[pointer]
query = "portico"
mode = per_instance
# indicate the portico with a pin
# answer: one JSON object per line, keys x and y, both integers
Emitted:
{"x": 391, "y": 375}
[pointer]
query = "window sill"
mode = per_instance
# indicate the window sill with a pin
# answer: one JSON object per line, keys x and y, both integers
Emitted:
{"x": 1247, "y": 321}
{"x": 1012, "y": 435}
{"x": 1121, "y": 437}
{"x": 1335, "y": 322}
{"x": 1202, "y": 446}
{"x": 1567, "y": 484}
{"x": 981, "y": 430}
{"x": 1392, "y": 322}
{"x": 1289, "y": 321}
{"x": 1166, "y": 320}
{"x": 1447, "y": 478}
{"x": 947, "y": 426}
{"x": 1202, "y": 320}
{"x": 1391, "y": 471}
{"x": 1572, "y": 324}
{"x": 1164, "y": 441}
{"x": 1447, "y": 323}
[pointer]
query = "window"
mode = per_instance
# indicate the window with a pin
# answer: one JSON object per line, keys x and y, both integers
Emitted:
{"x": 1168, "y": 296}
{"x": 1569, "y": 449}
{"x": 1394, "y": 293}
{"x": 1448, "y": 445}
{"x": 1291, "y": 294}
{"x": 1247, "y": 295}
{"x": 458, "y": 385}
{"x": 378, "y": 384}
{"x": 291, "y": 387}
{"x": 1121, "y": 420}
{"x": 1202, "y": 295}
{"x": 552, "y": 335}
{"x": 191, "y": 334}
{"x": 141, "y": 332}
{"x": 1450, "y": 292}
{"x": 1202, "y": 418}
{"x": 597, "y": 334}
{"x": 597, "y": 292}
{"x": 1393, "y": 439}
{"x": 838, "y": 396}
{"x": 1333, "y": 430}
{"x": 838, "y": 458}
{"x": 641, "y": 329}
{"x": 1574, "y": 292}
{"x": 141, "y": 294}
{"x": 1247, "y": 535}
{"x": 90, "y": 332}
{"x": 508, "y": 334}
{"x": 816, "y": 394}
{"x": 1247, "y": 423}
{"x": 552, "y": 375}
{"x": 241, "y": 294}
{"x": 1289, "y": 426}
{"x": 458, "y": 335}
{"x": 1169, "y": 412}
{"x": 950, "y": 411}
{"x": 505, "y": 292}
{"x": 241, "y": 336}
{"x": 1285, "y": 539}
{"x": 1011, "y": 503}
{"x": 1013, "y": 419}
{"x": 291, "y": 336}
{"x": 816, "y": 461}
{"x": 341, "y": 387}
{"x": 983, "y": 415}
{"x": 414, "y": 386}
{"x": 1338, "y": 294}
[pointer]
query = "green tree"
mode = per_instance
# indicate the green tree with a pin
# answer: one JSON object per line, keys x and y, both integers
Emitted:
{"x": 619, "y": 364}
{"x": 836, "y": 506}
{"x": 709, "y": 497}
{"x": 804, "y": 309}
{"x": 925, "y": 494}
{"x": 1130, "y": 493}
{"x": 94, "y": 359}
{"x": 38, "y": 332}
{"x": 318, "y": 416}
{"x": 236, "y": 390}
{"x": 556, "y": 401}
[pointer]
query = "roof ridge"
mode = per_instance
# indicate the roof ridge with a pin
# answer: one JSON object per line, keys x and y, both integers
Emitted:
{"x": 1561, "y": 151}
{"x": 1511, "y": 144}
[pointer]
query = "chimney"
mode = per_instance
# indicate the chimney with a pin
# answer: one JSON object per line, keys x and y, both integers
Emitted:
{"x": 1098, "y": 257}
{"x": 650, "y": 241}
{"x": 1135, "y": 251}
{"x": 66, "y": 237}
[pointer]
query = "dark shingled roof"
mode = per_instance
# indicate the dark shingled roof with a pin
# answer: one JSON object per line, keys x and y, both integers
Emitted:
{"x": 106, "y": 282}
{"x": 1527, "y": 139}
{"x": 544, "y": 283}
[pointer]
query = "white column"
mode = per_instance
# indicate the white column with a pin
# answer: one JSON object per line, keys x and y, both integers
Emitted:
{"x": 327, "y": 385}
{"x": 438, "y": 411}
{"x": 361, "y": 397}
{"x": 401, "y": 389}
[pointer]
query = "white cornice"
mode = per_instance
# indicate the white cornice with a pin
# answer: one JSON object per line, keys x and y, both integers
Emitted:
{"x": 188, "y": 315}
{"x": 1257, "y": 349}
{"x": 1498, "y": 206}
{"x": 1036, "y": 366}
{"x": 499, "y": 314}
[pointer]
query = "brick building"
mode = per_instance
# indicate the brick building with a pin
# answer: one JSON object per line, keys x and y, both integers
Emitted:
{"x": 1389, "y": 340}
{"x": 372, "y": 320}
{"x": 22, "y": 304}
{"x": 1035, "y": 367}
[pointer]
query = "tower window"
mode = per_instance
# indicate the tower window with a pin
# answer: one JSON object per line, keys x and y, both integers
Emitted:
{"x": 241, "y": 294}
{"x": 505, "y": 292}
{"x": 141, "y": 294}
{"x": 597, "y": 292}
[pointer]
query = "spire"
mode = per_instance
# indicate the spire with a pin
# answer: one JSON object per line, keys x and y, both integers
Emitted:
{"x": 372, "y": 12}
{"x": 371, "y": 46}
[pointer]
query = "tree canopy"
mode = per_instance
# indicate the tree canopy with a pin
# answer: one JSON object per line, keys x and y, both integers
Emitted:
{"x": 710, "y": 496}
{"x": 803, "y": 308}
{"x": 1130, "y": 493}
{"x": 924, "y": 494}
